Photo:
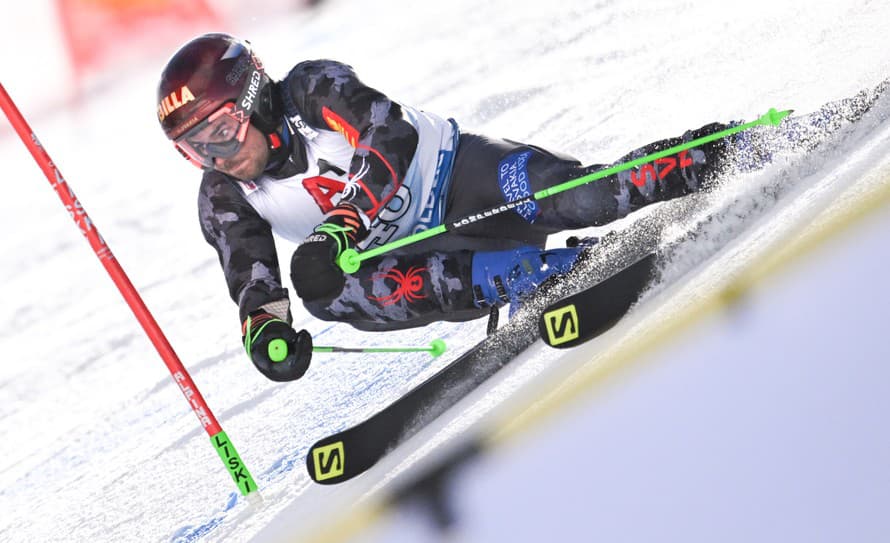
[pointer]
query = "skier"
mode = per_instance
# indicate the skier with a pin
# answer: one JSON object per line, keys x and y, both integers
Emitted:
{"x": 323, "y": 160}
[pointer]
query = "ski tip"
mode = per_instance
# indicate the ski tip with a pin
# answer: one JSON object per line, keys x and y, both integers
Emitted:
{"x": 437, "y": 347}
{"x": 773, "y": 117}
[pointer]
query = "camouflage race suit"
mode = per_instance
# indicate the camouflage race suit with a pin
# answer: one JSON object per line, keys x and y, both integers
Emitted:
{"x": 429, "y": 281}
{"x": 432, "y": 281}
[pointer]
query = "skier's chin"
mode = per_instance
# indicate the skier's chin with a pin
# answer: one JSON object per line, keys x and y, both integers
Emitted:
{"x": 243, "y": 169}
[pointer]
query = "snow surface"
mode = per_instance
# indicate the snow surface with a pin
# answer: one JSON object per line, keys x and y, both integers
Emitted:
{"x": 762, "y": 425}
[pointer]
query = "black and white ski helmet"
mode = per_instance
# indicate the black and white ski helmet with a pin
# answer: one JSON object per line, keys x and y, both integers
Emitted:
{"x": 208, "y": 72}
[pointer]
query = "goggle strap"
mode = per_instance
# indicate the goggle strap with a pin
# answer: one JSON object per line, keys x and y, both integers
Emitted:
{"x": 256, "y": 67}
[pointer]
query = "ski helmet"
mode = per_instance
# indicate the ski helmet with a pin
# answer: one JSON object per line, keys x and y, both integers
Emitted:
{"x": 207, "y": 74}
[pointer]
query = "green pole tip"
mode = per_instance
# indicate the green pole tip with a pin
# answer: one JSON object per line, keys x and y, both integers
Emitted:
{"x": 277, "y": 350}
{"x": 437, "y": 347}
{"x": 349, "y": 261}
{"x": 774, "y": 117}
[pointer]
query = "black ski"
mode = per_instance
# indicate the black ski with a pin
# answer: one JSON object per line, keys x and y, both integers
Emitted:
{"x": 348, "y": 453}
{"x": 344, "y": 455}
{"x": 586, "y": 314}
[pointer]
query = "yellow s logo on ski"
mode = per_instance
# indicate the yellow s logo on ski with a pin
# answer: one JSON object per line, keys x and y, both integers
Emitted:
{"x": 562, "y": 325}
{"x": 329, "y": 461}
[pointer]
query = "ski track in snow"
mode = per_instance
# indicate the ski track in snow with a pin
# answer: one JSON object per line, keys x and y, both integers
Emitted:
{"x": 104, "y": 446}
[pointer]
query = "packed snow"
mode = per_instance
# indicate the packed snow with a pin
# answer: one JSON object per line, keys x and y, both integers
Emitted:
{"x": 718, "y": 437}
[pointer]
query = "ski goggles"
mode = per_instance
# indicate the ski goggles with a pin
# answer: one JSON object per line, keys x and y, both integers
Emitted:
{"x": 220, "y": 135}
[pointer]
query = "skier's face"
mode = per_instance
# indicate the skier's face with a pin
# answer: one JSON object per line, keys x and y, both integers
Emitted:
{"x": 250, "y": 160}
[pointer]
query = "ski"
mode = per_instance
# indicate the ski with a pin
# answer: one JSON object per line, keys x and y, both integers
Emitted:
{"x": 348, "y": 453}
{"x": 588, "y": 313}
{"x": 566, "y": 323}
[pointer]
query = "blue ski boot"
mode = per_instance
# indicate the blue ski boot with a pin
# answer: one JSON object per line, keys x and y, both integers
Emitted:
{"x": 502, "y": 277}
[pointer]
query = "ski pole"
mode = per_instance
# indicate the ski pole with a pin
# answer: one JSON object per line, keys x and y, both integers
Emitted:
{"x": 350, "y": 260}
{"x": 218, "y": 437}
{"x": 436, "y": 348}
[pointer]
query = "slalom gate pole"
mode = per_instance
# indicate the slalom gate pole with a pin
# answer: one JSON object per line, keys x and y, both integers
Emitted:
{"x": 350, "y": 260}
{"x": 218, "y": 437}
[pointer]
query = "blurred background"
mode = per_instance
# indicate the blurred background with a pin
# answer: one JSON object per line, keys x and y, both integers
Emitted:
{"x": 87, "y": 44}
{"x": 744, "y": 401}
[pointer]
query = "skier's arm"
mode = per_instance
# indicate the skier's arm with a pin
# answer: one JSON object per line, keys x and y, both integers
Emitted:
{"x": 244, "y": 244}
{"x": 246, "y": 250}
{"x": 329, "y": 95}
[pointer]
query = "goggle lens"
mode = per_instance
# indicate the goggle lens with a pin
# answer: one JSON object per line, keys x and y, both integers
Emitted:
{"x": 218, "y": 136}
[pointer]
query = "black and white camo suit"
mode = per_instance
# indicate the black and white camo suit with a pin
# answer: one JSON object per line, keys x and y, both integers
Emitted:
{"x": 431, "y": 281}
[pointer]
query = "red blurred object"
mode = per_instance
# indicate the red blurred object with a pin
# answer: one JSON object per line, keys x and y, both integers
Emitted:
{"x": 104, "y": 34}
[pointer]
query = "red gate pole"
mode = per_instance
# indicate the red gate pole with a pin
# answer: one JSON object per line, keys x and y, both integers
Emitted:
{"x": 218, "y": 438}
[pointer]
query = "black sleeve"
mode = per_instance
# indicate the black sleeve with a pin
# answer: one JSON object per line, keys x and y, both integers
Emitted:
{"x": 243, "y": 241}
{"x": 329, "y": 95}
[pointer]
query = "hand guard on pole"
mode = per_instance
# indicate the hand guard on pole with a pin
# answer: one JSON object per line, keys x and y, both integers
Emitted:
{"x": 277, "y": 350}
{"x": 314, "y": 270}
